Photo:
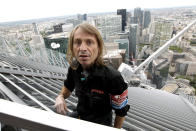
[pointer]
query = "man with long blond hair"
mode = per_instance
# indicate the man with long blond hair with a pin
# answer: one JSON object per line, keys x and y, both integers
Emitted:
{"x": 99, "y": 88}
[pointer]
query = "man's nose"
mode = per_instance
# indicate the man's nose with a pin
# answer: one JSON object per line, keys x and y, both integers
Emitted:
{"x": 83, "y": 46}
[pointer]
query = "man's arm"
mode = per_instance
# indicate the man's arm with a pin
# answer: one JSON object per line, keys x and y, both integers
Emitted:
{"x": 118, "y": 122}
{"x": 60, "y": 103}
{"x": 119, "y": 101}
{"x": 65, "y": 92}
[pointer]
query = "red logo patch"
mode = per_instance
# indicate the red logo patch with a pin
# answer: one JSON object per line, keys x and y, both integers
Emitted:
{"x": 97, "y": 91}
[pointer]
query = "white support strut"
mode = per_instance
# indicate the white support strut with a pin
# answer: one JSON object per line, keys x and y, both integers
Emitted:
{"x": 163, "y": 48}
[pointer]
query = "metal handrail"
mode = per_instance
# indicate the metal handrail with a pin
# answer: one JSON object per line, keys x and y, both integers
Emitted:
{"x": 24, "y": 117}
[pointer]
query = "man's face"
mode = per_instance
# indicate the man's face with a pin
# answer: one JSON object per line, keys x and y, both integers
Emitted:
{"x": 85, "y": 48}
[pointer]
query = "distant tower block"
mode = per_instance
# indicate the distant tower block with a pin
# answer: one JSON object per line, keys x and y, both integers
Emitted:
{"x": 35, "y": 29}
{"x": 123, "y": 13}
{"x": 173, "y": 32}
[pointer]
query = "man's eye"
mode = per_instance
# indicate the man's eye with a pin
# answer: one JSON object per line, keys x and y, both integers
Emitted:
{"x": 89, "y": 42}
{"x": 77, "y": 42}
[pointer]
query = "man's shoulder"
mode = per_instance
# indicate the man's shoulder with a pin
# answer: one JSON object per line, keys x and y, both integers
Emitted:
{"x": 111, "y": 72}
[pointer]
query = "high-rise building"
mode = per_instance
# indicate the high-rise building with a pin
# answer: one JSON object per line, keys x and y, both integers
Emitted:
{"x": 162, "y": 30}
{"x": 108, "y": 25}
{"x": 57, "y": 42}
{"x": 123, "y": 14}
{"x": 77, "y": 20}
{"x": 37, "y": 40}
{"x": 35, "y": 29}
{"x": 133, "y": 40}
{"x": 73, "y": 21}
{"x": 147, "y": 19}
{"x": 174, "y": 31}
{"x": 124, "y": 44}
{"x": 82, "y": 17}
{"x": 138, "y": 16}
{"x": 58, "y": 28}
{"x": 128, "y": 18}
{"x": 134, "y": 20}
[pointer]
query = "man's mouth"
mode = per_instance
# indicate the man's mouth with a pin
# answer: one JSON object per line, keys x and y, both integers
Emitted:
{"x": 83, "y": 57}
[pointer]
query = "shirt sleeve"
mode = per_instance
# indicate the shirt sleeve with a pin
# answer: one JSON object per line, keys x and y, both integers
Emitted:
{"x": 119, "y": 96}
{"x": 69, "y": 82}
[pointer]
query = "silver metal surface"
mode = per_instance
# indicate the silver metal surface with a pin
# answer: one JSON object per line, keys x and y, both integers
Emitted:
{"x": 160, "y": 110}
{"x": 27, "y": 94}
{"x": 42, "y": 94}
{"x": 24, "y": 117}
{"x": 10, "y": 94}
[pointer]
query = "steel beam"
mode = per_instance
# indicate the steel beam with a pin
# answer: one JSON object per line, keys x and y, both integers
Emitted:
{"x": 36, "y": 90}
{"x": 23, "y": 116}
{"x": 10, "y": 94}
{"x": 27, "y": 94}
{"x": 55, "y": 94}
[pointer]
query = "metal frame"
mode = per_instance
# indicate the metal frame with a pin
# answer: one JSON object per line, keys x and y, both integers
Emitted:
{"x": 36, "y": 90}
{"x": 22, "y": 117}
{"x": 68, "y": 101}
{"x": 28, "y": 72}
{"x": 43, "y": 87}
{"x": 10, "y": 94}
{"x": 27, "y": 94}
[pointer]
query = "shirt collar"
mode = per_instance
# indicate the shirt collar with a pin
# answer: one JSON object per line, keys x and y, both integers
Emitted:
{"x": 94, "y": 70}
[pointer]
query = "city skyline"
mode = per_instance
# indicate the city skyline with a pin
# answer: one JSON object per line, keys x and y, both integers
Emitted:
{"x": 154, "y": 49}
{"x": 24, "y": 10}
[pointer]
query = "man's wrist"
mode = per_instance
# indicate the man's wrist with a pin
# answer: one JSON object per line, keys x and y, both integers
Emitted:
{"x": 61, "y": 96}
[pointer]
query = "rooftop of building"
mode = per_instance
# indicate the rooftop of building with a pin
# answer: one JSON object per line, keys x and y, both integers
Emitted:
{"x": 59, "y": 35}
{"x": 171, "y": 88}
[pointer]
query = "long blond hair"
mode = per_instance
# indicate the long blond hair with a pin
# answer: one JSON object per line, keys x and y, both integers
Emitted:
{"x": 92, "y": 31}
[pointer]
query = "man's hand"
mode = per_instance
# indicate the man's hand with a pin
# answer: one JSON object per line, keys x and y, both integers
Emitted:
{"x": 60, "y": 105}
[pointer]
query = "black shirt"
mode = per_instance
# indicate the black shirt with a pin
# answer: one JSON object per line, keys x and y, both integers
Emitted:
{"x": 98, "y": 93}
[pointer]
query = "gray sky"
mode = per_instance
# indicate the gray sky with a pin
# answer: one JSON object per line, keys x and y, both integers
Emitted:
{"x": 12, "y": 10}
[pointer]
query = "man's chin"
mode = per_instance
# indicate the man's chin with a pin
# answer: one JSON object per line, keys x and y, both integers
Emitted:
{"x": 85, "y": 64}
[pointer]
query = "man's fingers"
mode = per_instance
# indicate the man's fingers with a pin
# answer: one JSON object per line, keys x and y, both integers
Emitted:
{"x": 63, "y": 112}
{"x": 61, "y": 108}
{"x": 58, "y": 108}
{"x": 60, "y": 105}
{"x": 65, "y": 107}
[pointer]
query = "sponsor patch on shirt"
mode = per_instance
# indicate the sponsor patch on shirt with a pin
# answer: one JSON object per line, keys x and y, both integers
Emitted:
{"x": 119, "y": 101}
{"x": 97, "y": 91}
